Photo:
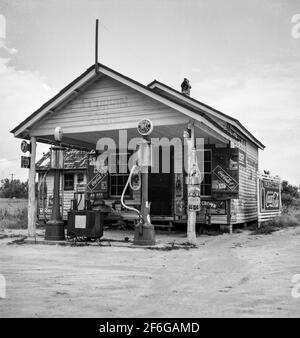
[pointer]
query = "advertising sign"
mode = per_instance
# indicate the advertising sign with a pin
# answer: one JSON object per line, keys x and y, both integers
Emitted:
{"x": 228, "y": 182}
{"x": 215, "y": 207}
{"x": 225, "y": 173}
{"x": 96, "y": 180}
{"x": 270, "y": 195}
{"x": 194, "y": 203}
{"x": 25, "y": 162}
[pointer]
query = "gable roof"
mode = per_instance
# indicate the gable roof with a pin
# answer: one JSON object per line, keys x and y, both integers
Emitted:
{"x": 73, "y": 160}
{"x": 155, "y": 84}
{"x": 75, "y": 87}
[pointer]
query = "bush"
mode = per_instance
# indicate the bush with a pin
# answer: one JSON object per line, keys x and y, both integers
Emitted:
{"x": 16, "y": 220}
{"x": 283, "y": 221}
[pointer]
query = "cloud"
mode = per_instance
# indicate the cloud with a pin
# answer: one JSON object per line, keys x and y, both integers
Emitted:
{"x": 21, "y": 93}
{"x": 11, "y": 51}
{"x": 265, "y": 98}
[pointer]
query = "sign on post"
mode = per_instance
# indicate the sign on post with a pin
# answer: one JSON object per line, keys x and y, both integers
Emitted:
{"x": 194, "y": 198}
{"x": 25, "y": 162}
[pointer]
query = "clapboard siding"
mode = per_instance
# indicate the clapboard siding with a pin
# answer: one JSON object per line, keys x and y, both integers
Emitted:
{"x": 244, "y": 209}
{"x": 66, "y": 196}
{"x": 106, "y": 105}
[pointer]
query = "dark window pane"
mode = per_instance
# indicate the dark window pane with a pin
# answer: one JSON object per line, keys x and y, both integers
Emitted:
{"x": 207, "y": 167}
{"x": 207, "y": 155}
{"x": 69, "y": 182}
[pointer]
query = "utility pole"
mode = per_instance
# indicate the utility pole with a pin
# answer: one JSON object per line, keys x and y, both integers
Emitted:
{"x": 11, "y": 185}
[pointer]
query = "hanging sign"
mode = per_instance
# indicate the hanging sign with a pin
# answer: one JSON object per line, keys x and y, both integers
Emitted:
{"x": 25, "y": 146}
{"x": 25, "y": 162}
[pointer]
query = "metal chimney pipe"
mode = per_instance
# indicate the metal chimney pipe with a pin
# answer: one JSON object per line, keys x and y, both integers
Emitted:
{"x": 96, "y": 47}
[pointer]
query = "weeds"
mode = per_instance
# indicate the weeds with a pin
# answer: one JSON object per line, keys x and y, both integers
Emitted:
{"x": 291, "y": 219}
{"x": 15, "y": 220}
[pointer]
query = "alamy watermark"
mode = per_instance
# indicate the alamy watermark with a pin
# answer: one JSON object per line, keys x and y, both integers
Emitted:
{"x": 2, "y": 287}
{"x": 296, "y": 287}
{"x": 2, "y": 27}
{"x": 162, "y": 151}
{"x": 295, "y": 32}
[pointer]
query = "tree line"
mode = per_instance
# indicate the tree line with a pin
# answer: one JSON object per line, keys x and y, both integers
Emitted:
{"x": 16, "y": 188}
{"x": 13, "y": 188}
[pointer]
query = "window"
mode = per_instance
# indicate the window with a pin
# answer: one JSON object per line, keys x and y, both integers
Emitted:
{"x": 68, "y": 181}
{"x": 204, "y": 160}
{"x": 80, "y": 178}
{"x": 119, "y": 179}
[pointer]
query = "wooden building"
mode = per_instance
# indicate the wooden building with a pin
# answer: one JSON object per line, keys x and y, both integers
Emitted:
{"x": 72, "y": 179}
{"x": 103, "y": 103}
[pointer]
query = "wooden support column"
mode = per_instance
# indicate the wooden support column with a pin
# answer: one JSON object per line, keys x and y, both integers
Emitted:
{"x": 191, "y": 223}
{"x": 31, "y": 191}
{"x": 229, "y": 216}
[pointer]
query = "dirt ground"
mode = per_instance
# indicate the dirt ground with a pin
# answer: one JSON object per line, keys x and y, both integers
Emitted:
{"x": 239, "y": 275}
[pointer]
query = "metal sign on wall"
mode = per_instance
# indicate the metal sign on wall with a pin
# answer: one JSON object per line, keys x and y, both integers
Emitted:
{"x": 96, "y": 180}
{"x": 225, "y": 173}
{"x": 269, "y": 195}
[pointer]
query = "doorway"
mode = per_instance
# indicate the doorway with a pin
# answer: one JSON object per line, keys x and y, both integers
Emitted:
{"x": 160, "y": 192}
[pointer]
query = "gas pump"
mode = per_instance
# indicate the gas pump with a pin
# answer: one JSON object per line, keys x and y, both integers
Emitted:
{"x": 55, "y": 226}
{"x": 85, "y": 219}
{"x": 138, "y": 179}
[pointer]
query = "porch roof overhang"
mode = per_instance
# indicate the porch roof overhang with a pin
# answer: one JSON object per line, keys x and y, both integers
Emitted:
{"x": 86, "y": 138}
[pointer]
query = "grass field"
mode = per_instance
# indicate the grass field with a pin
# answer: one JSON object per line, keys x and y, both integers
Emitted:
{"x": 13, "y": 213}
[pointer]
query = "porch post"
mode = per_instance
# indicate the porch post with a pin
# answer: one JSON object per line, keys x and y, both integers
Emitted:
{"x": 191, "y": 158}
{"x": 31, "y": 191}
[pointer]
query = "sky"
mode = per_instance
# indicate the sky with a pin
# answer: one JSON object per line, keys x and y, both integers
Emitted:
{"x": 241, "y": 57}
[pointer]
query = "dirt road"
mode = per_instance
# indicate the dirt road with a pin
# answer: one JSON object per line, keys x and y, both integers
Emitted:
{"x": 239, "y": 275}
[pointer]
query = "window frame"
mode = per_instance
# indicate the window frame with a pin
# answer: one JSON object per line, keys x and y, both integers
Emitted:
{"x": 117, "y": 174}
{"x": 202, "y": 186}
{"x": 73, "y": 186}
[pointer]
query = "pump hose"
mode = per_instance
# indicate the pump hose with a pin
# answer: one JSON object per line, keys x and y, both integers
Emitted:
{"x": 124, "y": 190}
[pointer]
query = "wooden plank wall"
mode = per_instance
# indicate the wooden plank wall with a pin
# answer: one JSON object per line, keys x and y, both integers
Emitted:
{"x": 67, "y": 196}
{"x": 107, "y": 105}
{"x": 244, "y": 209}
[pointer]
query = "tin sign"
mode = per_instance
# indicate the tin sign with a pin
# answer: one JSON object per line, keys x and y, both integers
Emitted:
{"x": 194, "y": 202}
{"x": 25, "y": 162}
{"x": 93, "y": 183}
